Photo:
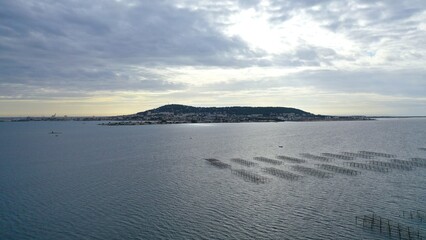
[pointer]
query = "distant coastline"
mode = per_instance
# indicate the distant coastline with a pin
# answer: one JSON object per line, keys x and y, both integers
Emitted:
{"x": 180, "y": 114}
{"x": 139, "y": 123}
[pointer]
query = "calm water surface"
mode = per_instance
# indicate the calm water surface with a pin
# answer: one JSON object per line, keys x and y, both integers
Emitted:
{"x": 152, "y": 182}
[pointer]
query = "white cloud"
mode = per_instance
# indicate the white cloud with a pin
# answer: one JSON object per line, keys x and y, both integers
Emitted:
{"x": 312, "y": 54}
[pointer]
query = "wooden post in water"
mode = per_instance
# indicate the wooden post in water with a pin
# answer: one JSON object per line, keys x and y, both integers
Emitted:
{"x": 409, "y": 234}
{"x": 399, "y": 231}
{"x": 419, "y": 216}
{"x": 372, "y": 222}
{"x": 380, "y": 218}
{"x": 389, "y": 228}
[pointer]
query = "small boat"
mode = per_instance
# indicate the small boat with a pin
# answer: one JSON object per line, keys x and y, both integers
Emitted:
{"x": 55, "y": 133}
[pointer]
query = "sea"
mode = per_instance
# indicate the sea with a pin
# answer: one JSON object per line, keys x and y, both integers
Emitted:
{"x": 80, "y": 180}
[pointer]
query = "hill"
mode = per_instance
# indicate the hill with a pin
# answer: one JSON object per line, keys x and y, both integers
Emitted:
{"x": 175, "y": 113}
{"x": 177, "y": 109}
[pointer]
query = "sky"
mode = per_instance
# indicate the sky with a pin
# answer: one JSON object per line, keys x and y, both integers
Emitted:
{"x": 101, "y": 57}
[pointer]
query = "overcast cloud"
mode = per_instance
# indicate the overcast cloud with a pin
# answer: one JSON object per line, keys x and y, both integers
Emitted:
{"x": 117, "y": 57}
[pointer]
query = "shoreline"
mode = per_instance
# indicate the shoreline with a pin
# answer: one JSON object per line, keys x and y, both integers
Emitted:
{"x": 143, "y": 123}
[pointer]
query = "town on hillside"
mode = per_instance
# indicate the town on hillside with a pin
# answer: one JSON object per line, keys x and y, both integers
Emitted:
{"x": 174, "y": 114}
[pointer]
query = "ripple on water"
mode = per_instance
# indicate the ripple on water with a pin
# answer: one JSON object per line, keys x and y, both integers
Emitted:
{"x": 150, "y": 182}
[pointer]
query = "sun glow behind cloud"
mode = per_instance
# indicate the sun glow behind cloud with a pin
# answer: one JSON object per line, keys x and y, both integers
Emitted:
{"x": 126, "y": 56}
{"x": 253, "y": 26}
